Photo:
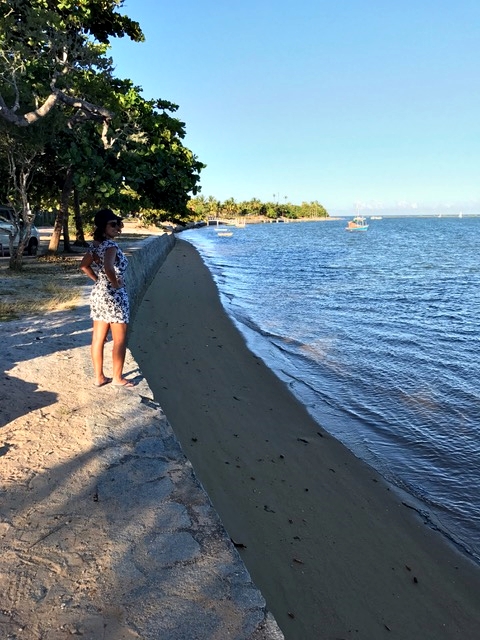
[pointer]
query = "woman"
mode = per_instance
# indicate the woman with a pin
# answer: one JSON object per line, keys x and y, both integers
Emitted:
{"x": 105, "y": 263}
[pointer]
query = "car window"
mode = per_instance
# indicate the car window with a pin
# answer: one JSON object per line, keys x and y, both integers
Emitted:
{"x": 6, "y": 214}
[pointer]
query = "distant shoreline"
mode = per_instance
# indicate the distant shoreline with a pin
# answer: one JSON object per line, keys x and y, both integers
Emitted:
{"x": 212, "y": 222}
{"x": 377, "y": 217}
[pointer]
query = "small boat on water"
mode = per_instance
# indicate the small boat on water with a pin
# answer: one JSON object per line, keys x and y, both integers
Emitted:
{"x": 358, "y": 223}
{"x": 225, "y": 234}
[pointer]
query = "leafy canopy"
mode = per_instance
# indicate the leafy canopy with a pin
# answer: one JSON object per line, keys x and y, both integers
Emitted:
{"x": 45, "y": 44}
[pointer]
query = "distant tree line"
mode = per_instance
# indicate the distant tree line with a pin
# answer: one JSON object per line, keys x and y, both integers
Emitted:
{"x": 208, "y": 207}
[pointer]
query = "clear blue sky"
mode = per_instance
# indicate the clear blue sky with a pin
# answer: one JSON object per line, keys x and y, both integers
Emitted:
{"x": 341, "y": 101}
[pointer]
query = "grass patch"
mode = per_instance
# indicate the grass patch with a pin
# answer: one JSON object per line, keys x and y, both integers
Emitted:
{"x": 42, "y": 286}
{"x": 56, "y": 299}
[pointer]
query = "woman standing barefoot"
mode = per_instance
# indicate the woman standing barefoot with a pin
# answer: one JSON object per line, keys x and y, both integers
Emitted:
{"x": 105, "y": 263}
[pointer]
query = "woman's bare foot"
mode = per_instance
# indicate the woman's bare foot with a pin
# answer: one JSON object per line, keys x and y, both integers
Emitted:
{"x": 102, "y": 382}
{"x": 124, "y": 383}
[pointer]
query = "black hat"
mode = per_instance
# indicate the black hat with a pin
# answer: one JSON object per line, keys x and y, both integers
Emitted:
{"x": 105, "y": 215}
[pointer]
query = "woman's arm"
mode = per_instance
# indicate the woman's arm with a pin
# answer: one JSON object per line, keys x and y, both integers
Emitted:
{"x": 86, "y": 266}
{"x": 108, "y": 265}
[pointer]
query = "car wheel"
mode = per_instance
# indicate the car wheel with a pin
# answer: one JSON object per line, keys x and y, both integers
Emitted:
{"x": 32, "y": 247}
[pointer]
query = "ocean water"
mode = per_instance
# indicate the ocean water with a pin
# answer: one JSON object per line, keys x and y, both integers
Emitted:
{"x": 377, "y": 333}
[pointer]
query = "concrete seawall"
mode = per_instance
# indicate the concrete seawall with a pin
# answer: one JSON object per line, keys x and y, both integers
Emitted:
{"x": 144, "y": 260}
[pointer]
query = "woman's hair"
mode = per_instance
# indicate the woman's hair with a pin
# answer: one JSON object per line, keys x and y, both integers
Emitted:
{"x": 102, "y": 217}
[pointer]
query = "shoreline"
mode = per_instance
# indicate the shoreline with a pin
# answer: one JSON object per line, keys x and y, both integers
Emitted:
{"x": 334, "y": 551}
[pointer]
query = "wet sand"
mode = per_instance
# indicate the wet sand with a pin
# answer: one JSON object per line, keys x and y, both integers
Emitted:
{"x": 335, "y": 550}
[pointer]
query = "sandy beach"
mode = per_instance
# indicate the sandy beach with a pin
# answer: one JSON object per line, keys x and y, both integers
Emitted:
{"x": 335, "y": 550}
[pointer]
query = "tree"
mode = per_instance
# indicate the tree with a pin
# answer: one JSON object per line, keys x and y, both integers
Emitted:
{"x": 145, "y": 168}
{"x": 44, "y": 44}
{"x": 229, "y": 208}
{"x": 155, "y": 164}
{"x": 45, "y": 47}
{"x": 21, "y": 151}
{"x": 113, "y": 147}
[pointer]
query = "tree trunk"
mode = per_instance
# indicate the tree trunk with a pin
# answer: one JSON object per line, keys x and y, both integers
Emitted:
{"x": 62, "y": 215}
{"x": 23, "y": 221}
{"x": 66, "y": 235}
{"x": 16, "y": 253}
{"x": 80, "y": 235}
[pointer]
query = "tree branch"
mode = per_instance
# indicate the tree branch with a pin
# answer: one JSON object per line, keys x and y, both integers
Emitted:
{"x": 93, "y": 111}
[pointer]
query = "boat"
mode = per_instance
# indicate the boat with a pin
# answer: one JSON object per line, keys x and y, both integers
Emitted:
{"x": 358, "y": 223}
{"x": 225, "y": 234}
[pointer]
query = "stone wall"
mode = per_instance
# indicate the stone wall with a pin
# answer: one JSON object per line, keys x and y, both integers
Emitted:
{"x": 144, "y": 260}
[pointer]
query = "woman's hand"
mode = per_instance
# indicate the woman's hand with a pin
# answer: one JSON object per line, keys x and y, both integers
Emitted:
{"x": 109, "y": 267}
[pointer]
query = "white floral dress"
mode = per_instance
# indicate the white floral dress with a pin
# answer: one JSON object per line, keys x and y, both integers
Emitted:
{"x": 106, "y": 303}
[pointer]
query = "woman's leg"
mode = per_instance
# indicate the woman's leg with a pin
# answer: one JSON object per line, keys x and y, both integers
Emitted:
{"x": 119, "y": 337}
{"x": 100, "y": 331}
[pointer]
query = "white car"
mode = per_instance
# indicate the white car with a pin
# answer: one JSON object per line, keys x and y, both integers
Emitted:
{"x": 7, "y": 227}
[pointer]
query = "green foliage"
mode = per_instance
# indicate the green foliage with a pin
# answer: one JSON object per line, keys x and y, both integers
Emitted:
{"x": 46, "y": 44}
{"x": 202, "y": 208}
{"x": 63, "y": 113}
{"x": 154, "y": 163}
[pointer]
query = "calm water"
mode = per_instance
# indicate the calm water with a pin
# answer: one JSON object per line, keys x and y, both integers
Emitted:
{"x": 377, "y": 334}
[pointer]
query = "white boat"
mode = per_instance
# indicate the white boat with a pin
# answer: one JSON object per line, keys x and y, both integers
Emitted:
{"x": 358, "y": 223}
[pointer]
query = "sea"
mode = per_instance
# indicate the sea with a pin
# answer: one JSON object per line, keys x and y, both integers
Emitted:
{"x": 377, "y": 333}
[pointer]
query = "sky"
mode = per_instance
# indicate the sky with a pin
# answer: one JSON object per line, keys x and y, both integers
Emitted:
{"x": 358, "y": 104}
